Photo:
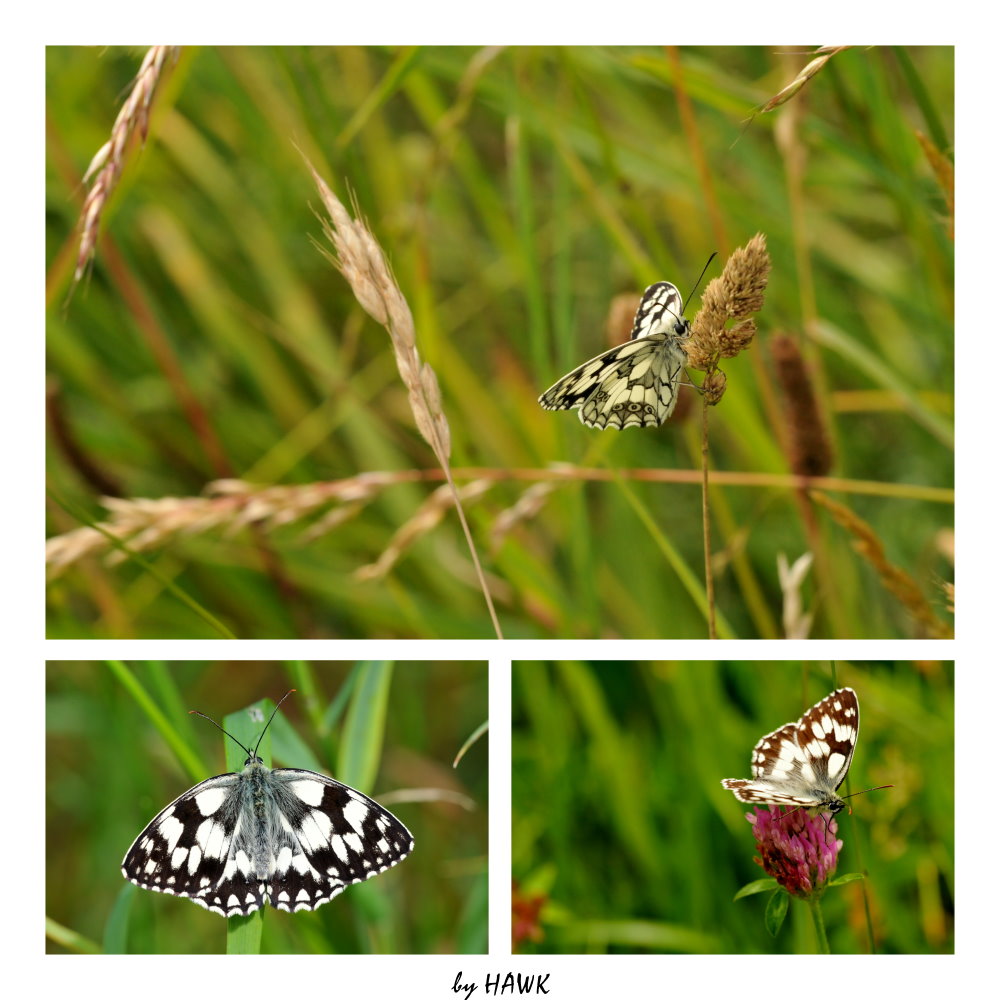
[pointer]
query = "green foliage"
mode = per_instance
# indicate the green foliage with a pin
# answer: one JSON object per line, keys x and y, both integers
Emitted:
{"x": 776, "y": 911}
{"x": 109, "y": 770}
{"x": 515, "y": 192}
{"x": 620, "y": 821}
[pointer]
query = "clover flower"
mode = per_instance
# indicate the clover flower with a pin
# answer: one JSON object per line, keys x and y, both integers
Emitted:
{"x": 797, "y": 849}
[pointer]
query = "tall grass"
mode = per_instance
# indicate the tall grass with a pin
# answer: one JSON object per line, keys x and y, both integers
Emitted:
{"x": 622, "y": 829}
{"x": 214, "y": 376}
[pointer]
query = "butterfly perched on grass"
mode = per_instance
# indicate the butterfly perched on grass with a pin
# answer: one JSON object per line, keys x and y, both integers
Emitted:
{"x": 289, "y": 837}
{"x": 634, "y": 384}
{"x": 803, "y": 763}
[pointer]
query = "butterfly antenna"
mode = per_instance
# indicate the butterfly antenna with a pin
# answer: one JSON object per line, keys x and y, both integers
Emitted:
{"x": 194, "y": 711}
{"x": 246, "y": 750}
{"x": 874, "y": 788}
{"x": 273, "y": 714}
{"x": 715, "y": 253}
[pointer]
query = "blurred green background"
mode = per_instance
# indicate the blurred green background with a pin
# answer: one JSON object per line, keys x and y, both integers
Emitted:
{"x": 516, "y": 192}
{"x": 626, "y": 841}
{"x": 110, "y": 769}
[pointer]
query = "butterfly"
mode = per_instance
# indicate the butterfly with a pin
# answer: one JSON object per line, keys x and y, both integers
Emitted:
{"x": 803, "y": 763}
{"x": 633, "y": 384}
{"x": 289, "y": 837}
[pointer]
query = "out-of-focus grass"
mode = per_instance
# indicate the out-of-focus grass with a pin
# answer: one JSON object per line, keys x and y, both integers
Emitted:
{"x": 620, "y": 821}
{"x": 110, "y": 767}
{"x": 516, "y": 193}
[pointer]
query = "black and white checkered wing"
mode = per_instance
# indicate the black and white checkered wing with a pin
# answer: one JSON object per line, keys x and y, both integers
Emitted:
{"x": 634, "y": 384}
{"x": 330, "y": 837}
{"x": 804, "y": 763}
{"x": 187, "y": 847}
{"x": 661, "y": 310}
{"x": 289, "y": 837}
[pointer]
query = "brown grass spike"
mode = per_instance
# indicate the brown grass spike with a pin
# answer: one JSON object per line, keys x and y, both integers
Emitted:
{"x": 360, "y": 259}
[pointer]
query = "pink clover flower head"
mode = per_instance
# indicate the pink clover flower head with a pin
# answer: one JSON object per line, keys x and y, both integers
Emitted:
{"x": 797, "y": 849}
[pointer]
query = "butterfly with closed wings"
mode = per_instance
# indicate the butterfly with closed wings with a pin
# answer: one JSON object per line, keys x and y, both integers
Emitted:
{"x": 803, "y": 763}
{"x": 633, "y": 384}
{"x": 289, "y": 837}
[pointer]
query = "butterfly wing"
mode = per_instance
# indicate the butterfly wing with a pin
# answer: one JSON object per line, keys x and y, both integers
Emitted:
{"x": 765, "y": 794}
{"x": 775, "y": 761}
{"x": 185, "y": 849}
{"x": 660, "y": 311}
{"x": 828, "y": 733}
{"x": 635, "y": 383}
{"x": 632, "y": 385}
{"x": 290, "y": 837}
{"x": 803, "y": 763}
{"x": 328, "y": 837}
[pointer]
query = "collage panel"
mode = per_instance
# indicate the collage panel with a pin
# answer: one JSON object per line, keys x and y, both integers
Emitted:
{"x": 476, "y": 342}
{"x": 348, "y": 799}
{"x": 719, "y": 807}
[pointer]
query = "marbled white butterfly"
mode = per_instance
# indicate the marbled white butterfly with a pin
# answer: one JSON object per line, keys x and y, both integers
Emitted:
{"x": 289, "y": 837}
{"x": 634, "y": 384}
{"x": 803, "y": 763}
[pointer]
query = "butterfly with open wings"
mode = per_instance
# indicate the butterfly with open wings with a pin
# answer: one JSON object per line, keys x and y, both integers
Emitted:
{"x": 289, "y": 837}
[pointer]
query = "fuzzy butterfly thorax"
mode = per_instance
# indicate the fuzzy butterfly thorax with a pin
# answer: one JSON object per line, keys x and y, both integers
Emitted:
{"x": 634, "y": 384}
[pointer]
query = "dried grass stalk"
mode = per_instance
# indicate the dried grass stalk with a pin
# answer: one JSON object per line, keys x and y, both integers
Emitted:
{"x": 898, "y": 582}
{"x": 809, "y": 450}
{"x": 621, "y": 318}
{"x": 734, "y": 295}
{"x": 109, "y": 160}
{"x": 531, "y": 501}
{"x": 147, "y": 524}
{"x": 361, "y": 261}
{"x": 358, "y": 256}
{"x": 796, "y": 620}
{"x": 803, "y": 77}
{"x": 944, "y": 171}
{"x": 428, "y": 516}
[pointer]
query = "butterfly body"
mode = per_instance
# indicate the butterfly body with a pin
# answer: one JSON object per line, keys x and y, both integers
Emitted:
{"x": 289, "y": 837}
{"x": 633, "y": 384}
{"x": 802, "y": 764}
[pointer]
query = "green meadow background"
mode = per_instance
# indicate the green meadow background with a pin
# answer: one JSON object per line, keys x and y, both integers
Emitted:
{"x": 516, "y": 192}
{"x": 121, "y": 745}
{"x": 623, "y": 832}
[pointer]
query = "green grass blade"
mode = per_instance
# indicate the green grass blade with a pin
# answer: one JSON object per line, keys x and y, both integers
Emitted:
{"x": 364, "y": 727}
{"x": 189, "y": 759}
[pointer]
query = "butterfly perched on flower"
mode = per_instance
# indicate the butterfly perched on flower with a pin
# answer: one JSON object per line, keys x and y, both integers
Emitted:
{"x": 803, "y": 763}
{"x": 289, "y": 837}
{"x": 633, "y": 384}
